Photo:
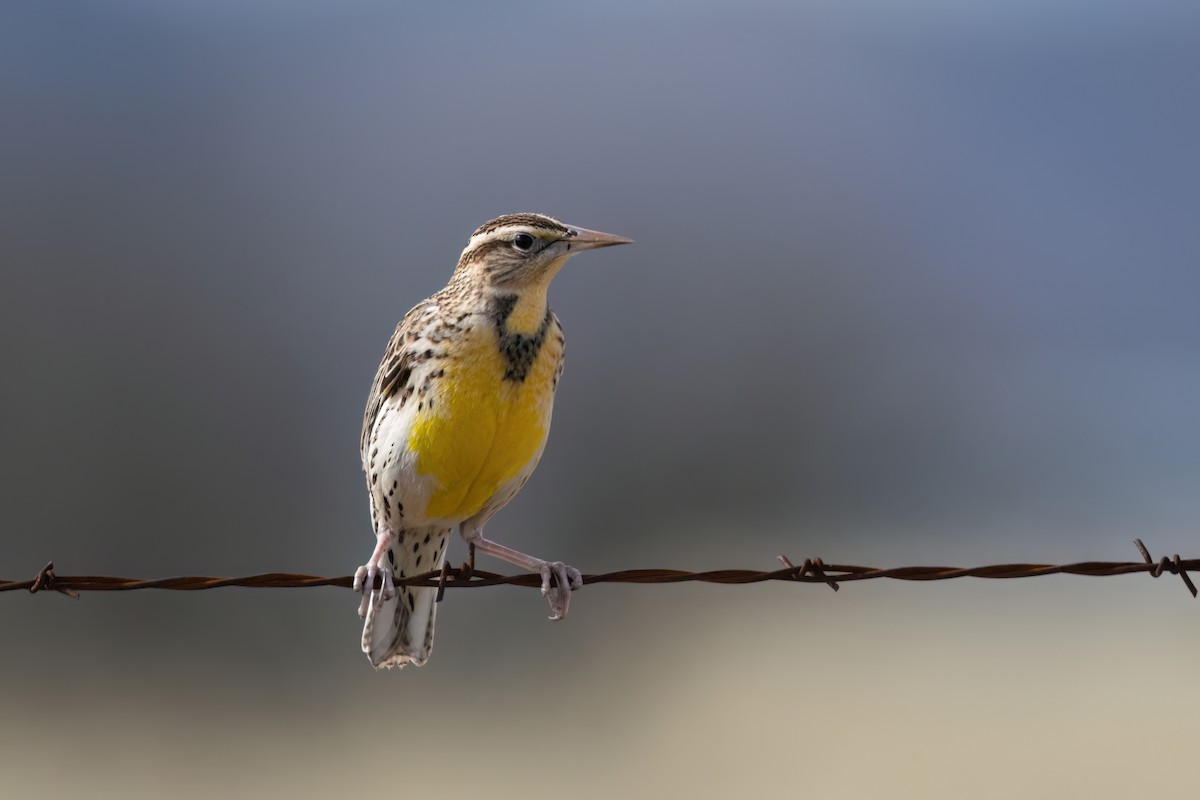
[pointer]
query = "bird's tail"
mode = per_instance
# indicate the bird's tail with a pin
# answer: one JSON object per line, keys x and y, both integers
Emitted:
{"x": 399, "y": 631}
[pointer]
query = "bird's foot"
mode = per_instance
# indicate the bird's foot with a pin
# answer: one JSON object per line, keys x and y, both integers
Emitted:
{"x": 364, "y": 576}
{"x": 364, "y": 581}
{"x": 558, "y": 580}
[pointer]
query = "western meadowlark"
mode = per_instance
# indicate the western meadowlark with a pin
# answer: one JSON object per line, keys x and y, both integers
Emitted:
{"x": 457, "y": 420}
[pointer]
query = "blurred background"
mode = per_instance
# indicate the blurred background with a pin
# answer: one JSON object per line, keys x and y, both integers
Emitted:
{"x": 914, "y": 283}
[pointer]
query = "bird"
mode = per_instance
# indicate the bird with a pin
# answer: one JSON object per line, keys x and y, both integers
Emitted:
{"x": 456, "y": 421}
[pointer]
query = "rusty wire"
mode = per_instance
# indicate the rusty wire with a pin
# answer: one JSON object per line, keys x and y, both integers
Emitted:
{"x": 813, "y": 570}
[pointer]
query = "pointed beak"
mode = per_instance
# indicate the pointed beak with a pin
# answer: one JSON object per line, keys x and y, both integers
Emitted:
{"x": 583, "y": 239}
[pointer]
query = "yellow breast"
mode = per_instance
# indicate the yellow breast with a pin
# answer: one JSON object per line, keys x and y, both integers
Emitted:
{"x": 483, "y": 430}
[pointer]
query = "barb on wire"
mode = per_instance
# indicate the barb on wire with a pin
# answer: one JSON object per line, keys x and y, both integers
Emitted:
{"x": 811, "y": 566}
{"x": 48, "y": 581}
{"x": 1173, "y": 565}
{"x": 466, "y": 576}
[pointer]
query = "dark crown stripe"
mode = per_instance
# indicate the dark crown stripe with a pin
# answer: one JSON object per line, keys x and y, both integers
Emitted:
{"x": 530, "y": 220}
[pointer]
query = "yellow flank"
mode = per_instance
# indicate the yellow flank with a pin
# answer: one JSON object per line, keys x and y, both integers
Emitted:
{"x": 484, "y": 429}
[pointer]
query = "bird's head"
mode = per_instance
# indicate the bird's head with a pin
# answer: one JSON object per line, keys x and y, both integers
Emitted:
{"x": 526, "y": 250}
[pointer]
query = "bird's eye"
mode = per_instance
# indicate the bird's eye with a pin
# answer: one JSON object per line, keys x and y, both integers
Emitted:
{"x": 523, "y": 242}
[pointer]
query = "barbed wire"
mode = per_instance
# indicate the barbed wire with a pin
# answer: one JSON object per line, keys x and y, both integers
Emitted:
{"x": 813, "y": 570}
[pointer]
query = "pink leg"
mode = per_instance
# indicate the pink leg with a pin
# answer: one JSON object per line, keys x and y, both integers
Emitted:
{"x": 557, "y": 591}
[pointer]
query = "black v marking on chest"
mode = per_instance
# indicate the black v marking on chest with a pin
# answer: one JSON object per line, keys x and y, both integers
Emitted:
{"x": 519, "y": 350}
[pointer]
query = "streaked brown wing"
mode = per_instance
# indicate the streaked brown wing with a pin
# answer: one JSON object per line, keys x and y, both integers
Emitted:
{"x": 393, "y": 371}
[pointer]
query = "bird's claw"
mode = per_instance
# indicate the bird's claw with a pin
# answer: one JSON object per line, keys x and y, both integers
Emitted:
{"x": 364, "y": 581}
{"x": 558, "y": 581}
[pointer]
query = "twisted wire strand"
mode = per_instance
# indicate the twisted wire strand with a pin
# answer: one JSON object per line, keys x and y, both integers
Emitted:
{"x": 466, "y": 576}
